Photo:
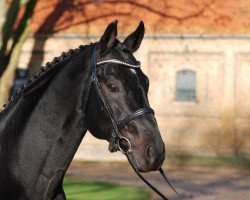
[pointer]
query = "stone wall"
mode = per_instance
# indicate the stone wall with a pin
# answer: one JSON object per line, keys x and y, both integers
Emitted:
{"x": 217, "y": 122}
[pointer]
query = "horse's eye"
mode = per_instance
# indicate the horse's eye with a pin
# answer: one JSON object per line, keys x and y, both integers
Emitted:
{"x": 113, "y": 88}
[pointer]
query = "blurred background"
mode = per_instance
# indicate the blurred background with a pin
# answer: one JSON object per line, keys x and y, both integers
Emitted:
{"x": 196, "y": 54}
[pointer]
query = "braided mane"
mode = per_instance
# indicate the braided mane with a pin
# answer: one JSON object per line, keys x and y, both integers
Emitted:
{"x": 44, "y": 71}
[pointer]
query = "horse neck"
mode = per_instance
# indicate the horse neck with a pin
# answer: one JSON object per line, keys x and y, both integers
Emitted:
{"x": 47, "y": 124}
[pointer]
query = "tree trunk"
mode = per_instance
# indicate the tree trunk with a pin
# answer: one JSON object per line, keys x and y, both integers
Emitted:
{"x": 9, "y": 58}
{"x": 2, "y": 18}
{"x": 8, "y": 75}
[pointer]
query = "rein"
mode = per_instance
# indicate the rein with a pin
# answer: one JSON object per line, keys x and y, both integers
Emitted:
{"x": 116, "y": 137}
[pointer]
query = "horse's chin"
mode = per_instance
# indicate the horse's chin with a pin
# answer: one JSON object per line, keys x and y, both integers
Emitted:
{"x": 143, "y": 167}
{"x": 140, "y": 169}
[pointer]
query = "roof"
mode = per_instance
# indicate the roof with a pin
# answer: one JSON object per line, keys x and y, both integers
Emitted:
{"x": 159, "y": 16}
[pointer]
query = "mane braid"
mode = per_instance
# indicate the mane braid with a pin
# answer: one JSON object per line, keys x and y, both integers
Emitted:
{"x": 44, "y": 70}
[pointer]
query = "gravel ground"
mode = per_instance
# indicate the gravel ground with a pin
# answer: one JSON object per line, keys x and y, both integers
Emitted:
{"x": 192, "y": 182}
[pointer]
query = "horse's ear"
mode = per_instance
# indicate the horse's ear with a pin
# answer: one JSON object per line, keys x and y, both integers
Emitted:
{"x": 133, "y": 41}
{"x": 109, "y": 37}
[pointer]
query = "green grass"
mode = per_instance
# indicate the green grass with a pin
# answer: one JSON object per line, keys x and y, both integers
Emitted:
{"x": 89, "y": 190}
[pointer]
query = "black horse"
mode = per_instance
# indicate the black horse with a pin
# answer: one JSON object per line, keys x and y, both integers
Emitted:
{"x": 98, "y": 87}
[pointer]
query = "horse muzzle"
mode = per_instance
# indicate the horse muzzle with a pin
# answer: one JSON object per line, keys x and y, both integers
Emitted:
{"x": 152, "y": 159}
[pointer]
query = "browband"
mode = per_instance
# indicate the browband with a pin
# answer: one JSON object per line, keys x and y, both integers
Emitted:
{"x": 119, "y": 62}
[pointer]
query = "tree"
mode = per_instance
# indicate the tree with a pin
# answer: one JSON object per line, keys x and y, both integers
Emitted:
{"x": 2, "y": 17}
{"x": 14, "y": 32}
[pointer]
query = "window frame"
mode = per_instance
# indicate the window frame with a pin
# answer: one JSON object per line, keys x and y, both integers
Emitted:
{"x": 193, "y": 87}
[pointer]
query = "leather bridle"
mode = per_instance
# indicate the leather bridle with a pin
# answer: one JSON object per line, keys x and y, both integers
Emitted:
{"x": 116, "y": 137}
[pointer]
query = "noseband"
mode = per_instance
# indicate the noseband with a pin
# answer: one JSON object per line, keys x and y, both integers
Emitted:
{"x": 116, "y": 137}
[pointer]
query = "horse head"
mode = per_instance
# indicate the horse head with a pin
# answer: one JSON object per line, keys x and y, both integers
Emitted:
{"x": 119, "y": 100}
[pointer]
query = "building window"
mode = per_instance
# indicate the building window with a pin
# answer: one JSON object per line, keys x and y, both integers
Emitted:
{"x": 185, "y": 85}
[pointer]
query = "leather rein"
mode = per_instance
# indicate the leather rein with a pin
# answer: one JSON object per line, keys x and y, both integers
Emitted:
{"x": 116, "y": 137}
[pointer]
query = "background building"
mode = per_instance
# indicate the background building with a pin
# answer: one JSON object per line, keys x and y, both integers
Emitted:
{"x": 196, "y": 54}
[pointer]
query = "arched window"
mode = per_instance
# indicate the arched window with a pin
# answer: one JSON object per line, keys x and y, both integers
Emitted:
{"x": 185, "y": 85}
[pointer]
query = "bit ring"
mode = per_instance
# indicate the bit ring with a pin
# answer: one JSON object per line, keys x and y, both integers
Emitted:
{"x": 129, "y": 145}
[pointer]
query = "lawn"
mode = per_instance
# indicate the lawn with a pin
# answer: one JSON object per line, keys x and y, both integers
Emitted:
{"x": 88, "y": 190}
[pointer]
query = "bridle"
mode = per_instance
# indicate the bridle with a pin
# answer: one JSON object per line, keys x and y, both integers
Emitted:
{"x": 116, "y": 137}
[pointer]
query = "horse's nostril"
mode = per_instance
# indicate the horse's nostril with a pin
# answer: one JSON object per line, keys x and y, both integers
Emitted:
{"x": 150, "y": 154}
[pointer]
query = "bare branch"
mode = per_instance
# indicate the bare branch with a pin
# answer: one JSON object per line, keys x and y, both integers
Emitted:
{"x": 162, "y": 14}
{"x": 90, "y": 20}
